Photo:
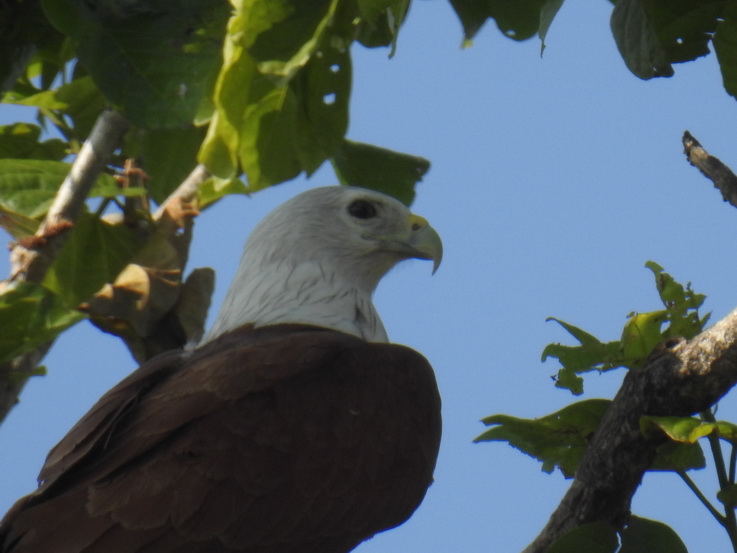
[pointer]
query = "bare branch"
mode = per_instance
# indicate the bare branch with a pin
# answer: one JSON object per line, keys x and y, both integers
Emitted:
{"x": 711, "y": 167}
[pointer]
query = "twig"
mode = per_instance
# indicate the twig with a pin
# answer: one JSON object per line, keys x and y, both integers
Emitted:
{"x": 185, "y": 192}
{"x": 712, "y": 168}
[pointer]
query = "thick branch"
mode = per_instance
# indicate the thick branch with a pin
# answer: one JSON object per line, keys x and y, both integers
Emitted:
{"x": 687, "y": 378}
{"x": 31, "y": 258}
{"x": 712, "y": 168}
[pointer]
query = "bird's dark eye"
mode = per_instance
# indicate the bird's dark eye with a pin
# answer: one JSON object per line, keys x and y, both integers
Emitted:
{"x": 361, "y": 209}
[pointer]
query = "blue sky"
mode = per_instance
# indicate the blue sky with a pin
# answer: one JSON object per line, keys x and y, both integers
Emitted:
{"x": 553, "y": 181}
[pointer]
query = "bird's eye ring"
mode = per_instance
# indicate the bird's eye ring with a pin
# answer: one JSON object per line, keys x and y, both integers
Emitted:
{"x": 361, "y": 209}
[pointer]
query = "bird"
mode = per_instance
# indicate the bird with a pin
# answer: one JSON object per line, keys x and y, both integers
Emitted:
{"x": 292, "y": 426}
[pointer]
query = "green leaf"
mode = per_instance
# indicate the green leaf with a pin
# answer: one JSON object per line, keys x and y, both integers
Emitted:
{"x": 591, "y": 355}
{"x": 558, "y": 440}
{"x": 652, "y": 34}
{"x": 547, "y": 14}
{"x": 380, "y": 21}
{"x": 24, "y": 32}
{"x": 682, "y": 305}
{"x": 17, "y": 225}
{"x": 288, "y": 45}
{"x": 21, "y": 141}
{"x": 473, "y": 15}
{"x": 725, "y": 46}
{"x": 637, "y": 41}
{"x": 643, "y": 535}
{"x": 167, "y": 156}
{"x": 151, "y": 60}
{"x": 31, "y": 315}
{"x": 94, "y": 254}
{"x": 640, "y": 336}
{"x": 324, "y": 88}
{"x": 29, "y": 186}
{"x": 690, "y": 429}
{"x": 677, "y": 457}
{"x": 214, "y": 188}
{"x": 387, "y": 171}
{"x": 593, "y": 537}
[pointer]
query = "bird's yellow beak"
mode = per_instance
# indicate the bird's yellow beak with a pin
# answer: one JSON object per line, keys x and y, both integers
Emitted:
{"x": 424, "y": 241}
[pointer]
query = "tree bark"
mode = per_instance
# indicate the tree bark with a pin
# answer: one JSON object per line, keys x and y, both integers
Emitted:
{"x": 681, "y": 379}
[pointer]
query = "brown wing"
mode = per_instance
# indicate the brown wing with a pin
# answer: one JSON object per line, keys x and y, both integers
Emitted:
{"x": 287, "y": 439}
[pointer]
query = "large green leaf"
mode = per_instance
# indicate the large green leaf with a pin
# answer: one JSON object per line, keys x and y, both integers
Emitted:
{"x": 558, "y": 440}
{"x": 387, "y": 171}
{"x": 94, "y": 254}
{"x": 31, "y": 315}
{"x": 653, "y": 34}
{"x": 281, "y": 99}
{"x": 643, "y": 535}
{"x": 152, "y": 60}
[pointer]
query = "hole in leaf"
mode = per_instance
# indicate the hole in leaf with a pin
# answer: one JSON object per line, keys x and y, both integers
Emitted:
{"x": 329, "y": 99}
{"x": 334, "y": 68}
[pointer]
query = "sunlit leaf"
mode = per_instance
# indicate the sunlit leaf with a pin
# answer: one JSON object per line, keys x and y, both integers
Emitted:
{"x": 640, "y": 336}
{"x": 558, "y": 440}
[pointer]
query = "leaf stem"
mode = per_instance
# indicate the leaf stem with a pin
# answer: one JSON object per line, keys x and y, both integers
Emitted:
{"x": 730, "y": 519}
{"x": 721, "y": 519}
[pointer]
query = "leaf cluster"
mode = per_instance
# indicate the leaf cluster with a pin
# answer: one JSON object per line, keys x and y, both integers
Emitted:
{"x": 559, "y": 440}
{"x": 643, "y": 335}
{"x": 651, "y": 35}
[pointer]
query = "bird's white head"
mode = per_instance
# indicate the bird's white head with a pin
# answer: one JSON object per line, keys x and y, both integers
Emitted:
{"x": 318, "y": 258}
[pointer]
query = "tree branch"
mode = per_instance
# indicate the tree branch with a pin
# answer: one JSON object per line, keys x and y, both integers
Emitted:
{"x": 683, "y": 379}
{"x": 31, "y": 258}
{"x": 711, "y": 167}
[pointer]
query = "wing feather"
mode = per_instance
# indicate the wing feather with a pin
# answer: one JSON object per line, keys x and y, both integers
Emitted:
{"x": 287, "y": 439}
